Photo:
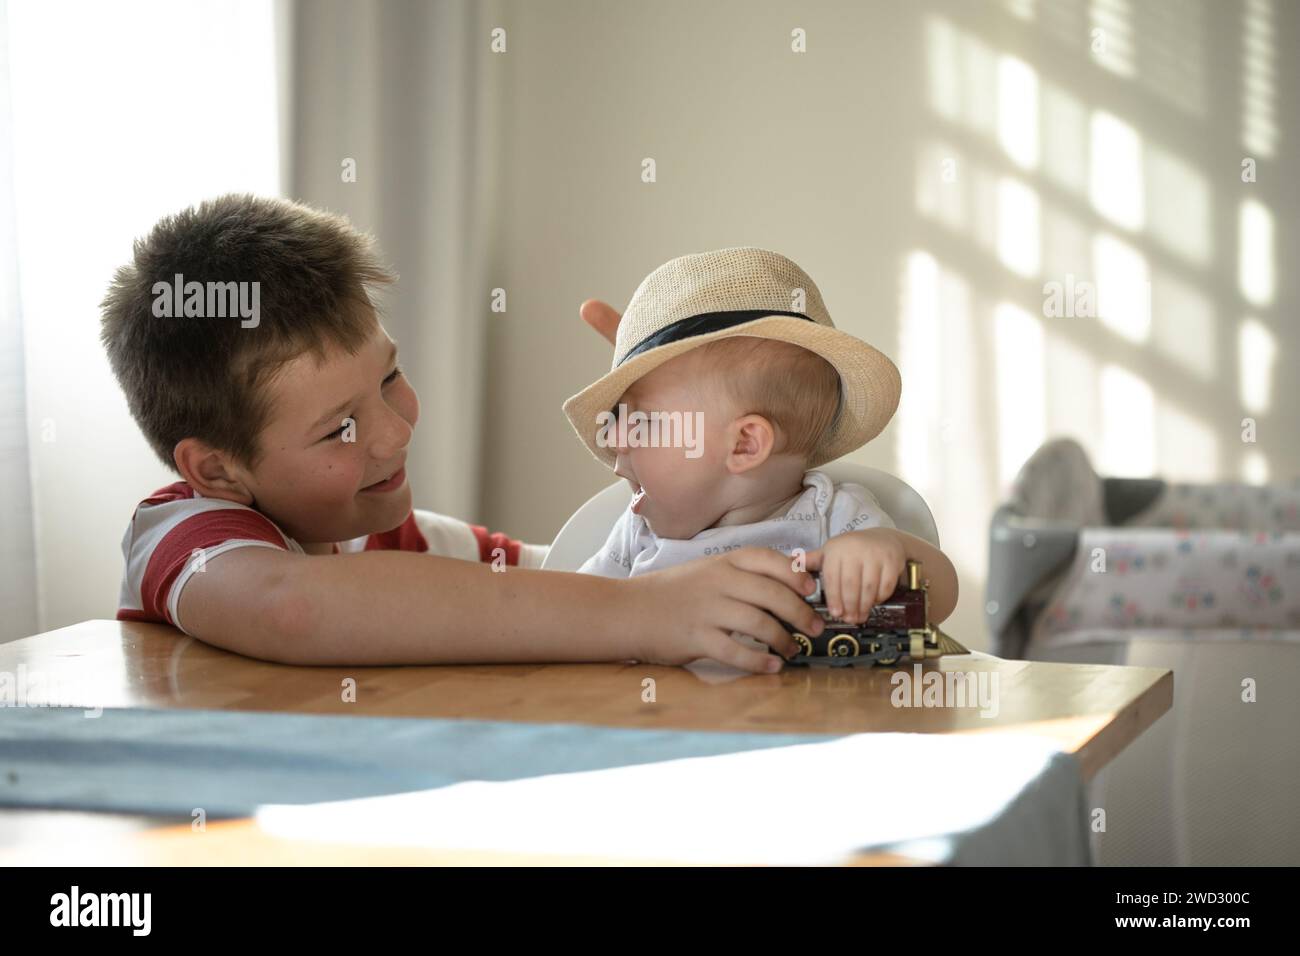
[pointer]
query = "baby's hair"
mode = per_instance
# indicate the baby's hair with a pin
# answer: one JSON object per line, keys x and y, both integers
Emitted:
{"x": 207, "y": 377}
{"x": 795, "y": 389}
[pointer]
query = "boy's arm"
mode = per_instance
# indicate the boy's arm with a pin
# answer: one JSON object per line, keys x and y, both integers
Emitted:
{"x": 394, "y": 607}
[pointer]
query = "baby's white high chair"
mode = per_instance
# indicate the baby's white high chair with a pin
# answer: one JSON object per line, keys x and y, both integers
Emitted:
{"x": 584, "y": 533}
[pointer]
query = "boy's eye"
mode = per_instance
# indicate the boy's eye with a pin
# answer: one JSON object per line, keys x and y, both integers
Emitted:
{"x": 388, "y": 380}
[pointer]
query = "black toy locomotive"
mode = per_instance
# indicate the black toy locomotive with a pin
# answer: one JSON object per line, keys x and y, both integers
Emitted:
{"x": 898, "y": 629}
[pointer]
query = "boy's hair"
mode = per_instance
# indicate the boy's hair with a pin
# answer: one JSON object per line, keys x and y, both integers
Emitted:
{"x": 207, "y": 378}
{"x": 795, "y": 389}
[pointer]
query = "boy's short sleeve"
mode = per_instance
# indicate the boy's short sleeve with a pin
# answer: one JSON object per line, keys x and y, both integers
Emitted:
{"x": 447, "y": 537}
{"x": 175, "y": 532}
{"x": 172, "y": 536}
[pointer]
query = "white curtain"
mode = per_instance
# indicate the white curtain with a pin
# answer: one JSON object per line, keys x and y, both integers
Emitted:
{"x": 17, "y": 539}
{"x": 406, "y": 90}
{"x": 397, "y": 87}
{"x": 82, "y": 94}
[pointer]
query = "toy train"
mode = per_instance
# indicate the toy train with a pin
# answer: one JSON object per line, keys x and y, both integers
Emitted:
{"x": 897, "y": 630}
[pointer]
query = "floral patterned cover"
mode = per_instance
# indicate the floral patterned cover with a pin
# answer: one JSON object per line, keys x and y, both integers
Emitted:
{"x": 1235, "y": 506}
{"x": 1201, "y": 561}
{"x": 1243, "y": 585}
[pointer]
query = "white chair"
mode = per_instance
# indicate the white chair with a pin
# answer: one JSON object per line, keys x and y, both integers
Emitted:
{"x": 584, "y": 533}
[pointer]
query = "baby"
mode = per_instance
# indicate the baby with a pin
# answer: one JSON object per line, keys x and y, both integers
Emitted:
{"x": 730, "y": 385}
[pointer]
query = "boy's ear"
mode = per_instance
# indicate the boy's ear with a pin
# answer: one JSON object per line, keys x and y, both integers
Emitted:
{"x": 210, "y": 472}
{"x": 752, "y": 440}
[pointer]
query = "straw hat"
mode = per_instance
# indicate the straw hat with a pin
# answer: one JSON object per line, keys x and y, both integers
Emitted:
{"x": 743, "y": 291}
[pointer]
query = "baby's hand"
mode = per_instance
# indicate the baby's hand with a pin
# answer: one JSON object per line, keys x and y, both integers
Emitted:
{"x": 859, "y": 570}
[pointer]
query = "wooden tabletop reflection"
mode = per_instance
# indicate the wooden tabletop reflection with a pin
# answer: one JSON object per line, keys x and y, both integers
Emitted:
{"x": 1093, "y": 711}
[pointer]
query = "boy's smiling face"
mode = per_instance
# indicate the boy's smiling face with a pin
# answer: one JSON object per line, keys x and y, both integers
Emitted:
{"x": 318, "y": 487}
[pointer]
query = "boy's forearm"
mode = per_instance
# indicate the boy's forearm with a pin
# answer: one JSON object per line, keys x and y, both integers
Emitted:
{"x": 392, "y": 607}
{"x": 935, "y": 567}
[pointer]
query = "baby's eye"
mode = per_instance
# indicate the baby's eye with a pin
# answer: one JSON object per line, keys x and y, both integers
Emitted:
{"x": 392, "y": 376}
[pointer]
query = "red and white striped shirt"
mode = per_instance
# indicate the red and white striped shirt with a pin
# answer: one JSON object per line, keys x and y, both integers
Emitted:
{"x": 175, "y": 531}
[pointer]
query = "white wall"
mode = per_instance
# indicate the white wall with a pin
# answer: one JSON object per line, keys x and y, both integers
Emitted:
{"x": 1127, "y": 166}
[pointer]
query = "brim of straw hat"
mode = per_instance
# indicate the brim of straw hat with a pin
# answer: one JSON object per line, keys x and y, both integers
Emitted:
{"x": 870, "y": 384}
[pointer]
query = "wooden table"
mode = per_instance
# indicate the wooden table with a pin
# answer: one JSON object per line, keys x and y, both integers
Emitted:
{"x": 1092, "y": 711}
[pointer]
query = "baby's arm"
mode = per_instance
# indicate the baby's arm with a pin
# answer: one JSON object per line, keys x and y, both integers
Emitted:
{"x": 860, "y": 569}
{"x": 867, "y": 556}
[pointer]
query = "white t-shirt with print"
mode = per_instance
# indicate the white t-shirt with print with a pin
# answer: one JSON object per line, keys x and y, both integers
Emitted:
{"x": 824, "y": 510}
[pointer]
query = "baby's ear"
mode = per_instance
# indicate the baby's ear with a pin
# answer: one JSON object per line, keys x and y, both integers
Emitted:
{"x": 752, "y": 441}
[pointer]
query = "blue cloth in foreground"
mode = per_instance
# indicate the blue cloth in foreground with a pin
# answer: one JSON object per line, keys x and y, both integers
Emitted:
{"x": 967, "y": 799}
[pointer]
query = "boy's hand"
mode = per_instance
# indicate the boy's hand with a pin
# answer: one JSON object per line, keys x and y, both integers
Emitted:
{"x": 859, "y": 570}
{"x": 689, "y": 611}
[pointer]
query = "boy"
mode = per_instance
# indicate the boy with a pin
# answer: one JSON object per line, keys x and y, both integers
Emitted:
{"x": 291, "y": 536}
{"x": 773, "y": 391}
